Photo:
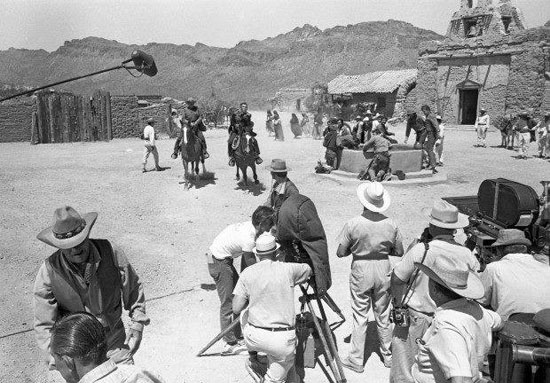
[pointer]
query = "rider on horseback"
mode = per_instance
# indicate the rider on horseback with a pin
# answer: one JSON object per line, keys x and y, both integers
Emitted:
{"x": 241, "y": 124}
{"x": 194, "y": 118}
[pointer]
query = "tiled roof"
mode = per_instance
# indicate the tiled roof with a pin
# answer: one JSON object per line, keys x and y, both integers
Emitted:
{"x": 373, "y": 82}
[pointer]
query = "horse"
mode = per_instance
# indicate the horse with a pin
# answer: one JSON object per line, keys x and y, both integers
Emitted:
{"x": 191, "y": 152}
{"x": 244, "y": 158}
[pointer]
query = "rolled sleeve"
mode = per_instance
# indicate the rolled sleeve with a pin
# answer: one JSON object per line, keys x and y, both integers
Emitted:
{"x": 240, "y": 289}
{"x": 133, "y": 296}
{"x": 344, "y": 238}
{"x": 45, "y": 310}
{"x": 405, "y": 268}
{"x": 487, "y": 281}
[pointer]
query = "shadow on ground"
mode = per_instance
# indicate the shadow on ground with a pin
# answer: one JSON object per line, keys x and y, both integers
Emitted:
{"x": 252, "y": 188}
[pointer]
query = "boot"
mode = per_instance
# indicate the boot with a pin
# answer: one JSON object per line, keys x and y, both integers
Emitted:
{"x": 231, "y": 161}
{"x": 205, "y": 154}
{"x": 259, "y": 160}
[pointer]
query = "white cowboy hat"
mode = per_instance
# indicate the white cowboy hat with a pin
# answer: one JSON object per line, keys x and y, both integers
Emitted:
{"x": 445, "y": 215}
{"x": 373, "y": 196}
{"x": 265, "y": 245}
{"x": 450, "y": 271}
{"x": 69, "y": 228}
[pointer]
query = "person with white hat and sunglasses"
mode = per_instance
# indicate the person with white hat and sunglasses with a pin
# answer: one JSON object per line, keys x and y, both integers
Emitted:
{"x": 371, "y": 238}
{"x": 410, "y": 286}
{"x": 459, "y": 338}
{"x": 267, "y": 289}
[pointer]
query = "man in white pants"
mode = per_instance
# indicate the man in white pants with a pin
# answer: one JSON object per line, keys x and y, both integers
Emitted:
{"x": 150, "y": 145}
{"x": 438, "y": 148}
{"x": 481, "y": 125}
{"x": 267, "y": 288}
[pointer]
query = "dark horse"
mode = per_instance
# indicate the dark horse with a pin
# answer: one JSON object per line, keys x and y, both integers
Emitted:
{"x": 244, "y": 158}
{"x": 189, "y": 146}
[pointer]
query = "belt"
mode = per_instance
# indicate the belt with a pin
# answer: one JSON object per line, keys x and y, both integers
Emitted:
{"x": 274, "y": 329}
{"x": 373, "y": 257}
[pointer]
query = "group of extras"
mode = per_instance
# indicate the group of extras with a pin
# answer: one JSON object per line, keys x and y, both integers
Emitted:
{"x": 190, "y": 121}
{"x": 370, "y": 133}
{"x": 435, "y": 311}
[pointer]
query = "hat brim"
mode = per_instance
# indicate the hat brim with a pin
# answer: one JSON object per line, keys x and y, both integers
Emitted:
{"x": 47, "y": 235}
{"x": 474, "y": 287}
{"x": 461, "y": 222}
{"x": 268, "y": 167}
{"x": 518, "y": 241}
{"x": 259, "y": 253}
{"x": 386, "y": 200}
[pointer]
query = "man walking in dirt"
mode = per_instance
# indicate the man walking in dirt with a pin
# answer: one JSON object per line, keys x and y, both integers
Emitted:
{"x": 149, "y": 136}
{"x": 193, "y": 117}
{"x": 89, "y": 275}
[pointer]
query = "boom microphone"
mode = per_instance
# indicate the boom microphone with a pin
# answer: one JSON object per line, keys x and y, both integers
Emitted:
{"x": 144, "y": 63}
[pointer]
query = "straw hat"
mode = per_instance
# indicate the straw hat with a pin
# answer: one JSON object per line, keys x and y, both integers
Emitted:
{"x": 450, "y": 271}
{"x": 511, "y": 237}
{"x": 277, "y": 166}
{"x": 445, "y": 215}
{"x": 265, "y": 245}
{"x": 373, "y": 196}
{"x": 69, "y": 228}
{"x": 151, "y": 120}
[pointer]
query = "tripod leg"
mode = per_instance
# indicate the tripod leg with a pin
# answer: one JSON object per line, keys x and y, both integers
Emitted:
{"x": 235, "y": 322}
{"x": 324, "y": 369}
{"x": 331, "y": 342}
{"x": 321, "y": 332}
{"x": 333, "y": 306}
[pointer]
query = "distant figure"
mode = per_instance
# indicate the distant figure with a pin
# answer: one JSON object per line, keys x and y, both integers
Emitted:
{"x": 295, "y": 126}
{"x": 380, "y": 164}
{"x": 522, "y": 128}
{"x": 194, "y": 118}
{"x": 414, "y": 122}
{"x": 430, "y": 134}
{"x": 317, "y": 126}
{"x": 541, "y": 134}
{"x": 481, "y": 125}
{"x": 506, "y": 131}
{"x": 331, "y": 143}
{"x": 384, "y": 130}
{"x": 438, "y": 148}
{"x": 150, "y": 145}
{"x": 278, "y": 127}
{"x": 345, "y": 136}
{"x": 269, "y": 123}
{"x": 304, "y": 123}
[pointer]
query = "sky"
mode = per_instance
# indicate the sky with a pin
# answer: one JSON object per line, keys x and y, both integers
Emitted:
{"x": 47, "y": 24}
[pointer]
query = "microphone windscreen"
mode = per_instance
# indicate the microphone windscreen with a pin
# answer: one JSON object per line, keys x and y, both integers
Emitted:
{"x": 144, "y": 63}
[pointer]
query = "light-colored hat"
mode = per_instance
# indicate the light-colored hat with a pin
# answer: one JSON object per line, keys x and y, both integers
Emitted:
{"x": 373, "y": 196}
{"x": 174, "y": 111}
{"x": 511, "y": 237}
{"x": 449, "y": 270}
{"x": 366, "y": 119}
{"x": 277, "y": 166}
{"x": 482, "y": 109}
{"x": 191, "y": 100}
{"x": 265, "y": 245}
{"x": 438, "y": 117}
{"x": 69, "y": 228}
{"x": 151, "y": 120}
{"x": 445, "y": 215}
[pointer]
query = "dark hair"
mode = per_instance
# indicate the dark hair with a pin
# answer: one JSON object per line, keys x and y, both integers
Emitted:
{"x": 426, "y": 107}
{"x": 80, "y": 336}
{"x": 263, "y": 217}
{"x": 514, "y": 249}
{"x": 243, "y": 103}
{"x": 269, "y": 112}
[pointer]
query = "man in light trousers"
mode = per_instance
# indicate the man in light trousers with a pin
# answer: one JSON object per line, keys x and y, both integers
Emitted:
{"x": 150, "y": 145}
{"x": 370, "y": 238}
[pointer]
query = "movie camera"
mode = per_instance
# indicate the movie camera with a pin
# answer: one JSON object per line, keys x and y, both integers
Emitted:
{"x": 504, "y": 204}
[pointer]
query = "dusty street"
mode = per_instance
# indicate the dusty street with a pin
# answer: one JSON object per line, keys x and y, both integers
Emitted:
{"x": 165, "y": 231}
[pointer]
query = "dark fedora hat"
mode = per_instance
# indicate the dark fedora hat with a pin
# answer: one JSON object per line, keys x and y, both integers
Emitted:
{"x": 69, "y": 229}
{"x": 277, "y": 166}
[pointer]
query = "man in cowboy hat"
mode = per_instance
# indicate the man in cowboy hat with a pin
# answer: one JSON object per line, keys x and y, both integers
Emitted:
{"x": 90, "y": 275}
{"x": 523, "y": 128}
{"x": 380, "y": 164}
{"x": 236, "y": 240}
{"x": 515, "y": 282}
{"x": 481, "y": 125}
{"x": 150, "y": 145}
{"x": 458, "y": 340}
{"x": 282, "y": 187}
{"x": 371, "y": 238}
{"x": 193, "y": 117}
{"x": 410, "y": 287}
{"x": 241, "y": 123}
{"x": 267, "y": 289}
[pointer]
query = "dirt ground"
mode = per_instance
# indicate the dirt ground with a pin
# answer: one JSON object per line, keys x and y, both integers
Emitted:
{"x": 165, "y": 231}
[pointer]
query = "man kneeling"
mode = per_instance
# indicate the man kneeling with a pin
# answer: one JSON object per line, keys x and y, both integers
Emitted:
{"x": 267, "y": 287}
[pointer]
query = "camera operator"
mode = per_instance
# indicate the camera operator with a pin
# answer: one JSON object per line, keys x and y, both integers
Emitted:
{"x": 413, "y": 306}
{"x": 267, "y": 288}
{"x": 515, "y": 282}
{"x": 371, "y": 238}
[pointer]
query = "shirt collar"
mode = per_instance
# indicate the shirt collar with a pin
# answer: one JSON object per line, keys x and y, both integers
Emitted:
{"x": 452, "y": 304}
{"x": 280, "y": 187}
{"x": 99, "y": 372}
{"x": 517, "y": 256}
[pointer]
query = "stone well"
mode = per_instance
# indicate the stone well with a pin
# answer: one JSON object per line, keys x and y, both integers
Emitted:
{"x": 403, "y": 157}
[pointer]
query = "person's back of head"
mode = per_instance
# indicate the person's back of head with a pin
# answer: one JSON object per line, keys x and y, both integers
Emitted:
{"x": 263, "y": 218}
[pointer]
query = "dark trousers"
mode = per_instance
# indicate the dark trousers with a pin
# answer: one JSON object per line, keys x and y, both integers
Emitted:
{"x": 427, "y": 141}
{"x": 225, "y": 276}
{"x": 202, "y": 140}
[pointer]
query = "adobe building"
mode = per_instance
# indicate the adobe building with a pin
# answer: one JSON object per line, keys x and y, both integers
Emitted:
{"x": 488, "y": 59}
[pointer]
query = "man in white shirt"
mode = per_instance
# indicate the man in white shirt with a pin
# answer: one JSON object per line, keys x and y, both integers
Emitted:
{"x": 267, "y": 288}
{"x": 481, "y": 126}
{"x": 150, "y": 145}
{"x": 438, "y": 148}
{"x": 235, "y": 240}
{"x": 515, "y": 282}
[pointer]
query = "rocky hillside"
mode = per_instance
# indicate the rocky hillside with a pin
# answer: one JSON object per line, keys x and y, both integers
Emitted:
{"x": 252, "y": 70}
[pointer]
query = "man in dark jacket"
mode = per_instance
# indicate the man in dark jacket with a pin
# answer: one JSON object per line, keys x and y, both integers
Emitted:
{"x": 380, "y": 163}
{"x": 282, "y": 187}
{"x": 414, "y": 122}
{"x": 89, "y": 275}
{"x": 242, "y": 124}
{"x": 193, "y": 116}
{"x": 429, "y": 136}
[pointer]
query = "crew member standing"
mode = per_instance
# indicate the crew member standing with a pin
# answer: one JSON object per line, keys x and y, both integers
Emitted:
{"x": 371, "y": 238}
{"x": 267, "y": 289}
{"x": 481, "y": 126}
{"x": 89, "y": 275}
{"x": 429, "y": 135}
{"x": 234, "y": 241}
{"x": 193, "y": 117}
{"x": 150, "y": 145}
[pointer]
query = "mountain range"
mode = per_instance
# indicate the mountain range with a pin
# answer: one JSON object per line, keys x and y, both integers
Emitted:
{"x": 252, "y": 70}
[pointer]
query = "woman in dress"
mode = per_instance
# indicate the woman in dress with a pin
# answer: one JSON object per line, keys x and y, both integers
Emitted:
{"x": 278, "y": 127}
{"x": 295, "y": 126}
{"x": 304, "y": 123}
{"x": 269, "y": 123}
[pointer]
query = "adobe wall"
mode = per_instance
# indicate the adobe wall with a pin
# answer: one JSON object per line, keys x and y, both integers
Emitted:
{"x": 16, "y": 120}
{"x": 123, "y": 116}
{"x": 161, "y": 114}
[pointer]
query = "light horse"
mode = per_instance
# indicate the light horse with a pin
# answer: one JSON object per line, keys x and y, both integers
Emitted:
{"x": 189, "y": 146}
{"x": 244, "y": 158}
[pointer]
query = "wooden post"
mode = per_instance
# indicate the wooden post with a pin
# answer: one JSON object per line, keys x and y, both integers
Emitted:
{"x": 35, "y": 139}
{"x": 108, "y": 116}
{"x": 64, "y": 118}
{"x": 40, "y": 118}
{"x": 51, "y": 114}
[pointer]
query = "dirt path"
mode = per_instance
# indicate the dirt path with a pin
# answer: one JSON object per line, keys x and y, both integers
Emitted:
{"x": 165, "y": 231}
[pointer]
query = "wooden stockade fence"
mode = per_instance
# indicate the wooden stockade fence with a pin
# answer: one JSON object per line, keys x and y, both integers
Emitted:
{"x": 65, "y": 117}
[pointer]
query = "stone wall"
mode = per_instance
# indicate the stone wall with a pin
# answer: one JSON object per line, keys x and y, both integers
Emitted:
{"x": 161, "y": 114}
{"x": 123, "y": 116}
{"x": 16, "y": 120}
